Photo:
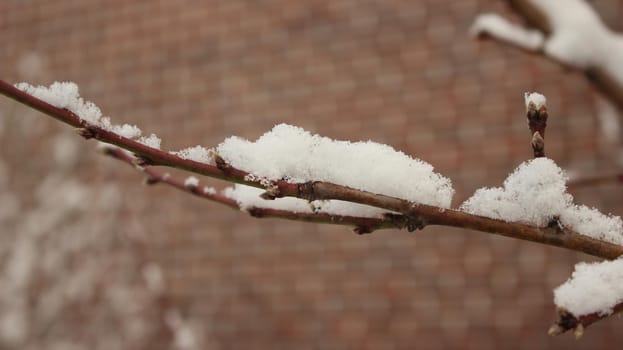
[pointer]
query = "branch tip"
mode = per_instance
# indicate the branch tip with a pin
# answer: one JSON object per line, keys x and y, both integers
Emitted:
{"x": 555, "y": 329}
{"x": 578, "y": 332}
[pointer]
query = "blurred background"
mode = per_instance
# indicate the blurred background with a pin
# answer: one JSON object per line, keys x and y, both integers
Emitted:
{"x": 90, "y": 258}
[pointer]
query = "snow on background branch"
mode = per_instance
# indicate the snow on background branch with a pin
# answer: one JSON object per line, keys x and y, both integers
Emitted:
{"x": 572, "y": 34}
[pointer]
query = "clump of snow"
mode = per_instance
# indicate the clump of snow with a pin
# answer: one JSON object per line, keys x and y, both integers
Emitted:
{"x": 64, "y": 95}
{"x": 191, "y": 181}
{"x": 249, "y": 197}
{"x": 495, "y": 25}
{"x": 209, "y": 190}
{"x": 291, "y": 153}
{"x": 592, "y": 223}
{"x": 536, "y": 193}
{"x": 196, "y": 153}
{"x": 152, "y": 141}
{"x": 126, "y": 130}
{"x": 592, "y": 288}
{"x": 534, "y": 98}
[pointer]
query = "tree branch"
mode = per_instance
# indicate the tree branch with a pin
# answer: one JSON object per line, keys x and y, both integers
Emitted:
{"x": 418, "y": 215}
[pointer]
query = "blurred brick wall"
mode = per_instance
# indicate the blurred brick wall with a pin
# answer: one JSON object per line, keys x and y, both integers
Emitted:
{"x": 397, "y": 72}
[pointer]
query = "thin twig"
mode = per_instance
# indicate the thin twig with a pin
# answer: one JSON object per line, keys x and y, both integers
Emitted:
{"x": 419, "y": 215}
{"x": 537, "y": 122}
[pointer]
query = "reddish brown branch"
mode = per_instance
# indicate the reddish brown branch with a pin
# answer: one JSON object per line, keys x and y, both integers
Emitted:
{"x": 418, "y": 215}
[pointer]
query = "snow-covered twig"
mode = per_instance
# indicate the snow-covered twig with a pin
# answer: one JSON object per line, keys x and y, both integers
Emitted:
{"x": 569, "y": 33}
{"x": 362, "y": 224}
{"x": 419, "y": 215}
{"x": 536, "y": 113}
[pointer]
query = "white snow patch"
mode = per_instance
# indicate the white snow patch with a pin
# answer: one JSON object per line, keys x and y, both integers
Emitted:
{"x": 209, "y": 190}
{"x": 534, "y": 98}
{"x": 191, "y": 181}
{"x": 152, "y": 141}
{"x": 592, "y": 288}
{"x": 249, "y": 197}
{"x": 536, "y": 193}
{"x": 126, "y": 130}
{"x": 291, "y": 153}
{"x": 197, "y": 153}
{"x": 65, "y": 95}
{"x": 504, "y": 30}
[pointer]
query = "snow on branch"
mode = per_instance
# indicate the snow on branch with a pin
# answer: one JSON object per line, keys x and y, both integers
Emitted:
{"x": 594, "y": 291}
{"x": 291, "y": 153}
{"x": 248, "y": 199}
{"x": 567, "y": 31}
{"x": 536, "y": 193}
{"x": 365, "y": 185}
{"x": 418, "y": 215}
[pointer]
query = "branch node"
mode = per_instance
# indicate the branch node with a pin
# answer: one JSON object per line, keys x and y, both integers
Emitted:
{"x": 362, "y": 230}
{"x": 142, "y": 161}
{"x": 411, "y": 223}
{"x": 151, "y": 180}
{"x": 415, "y": 223}
{"x": 306, "y": 191}
{"x": 271, "y": 193}
{"x": 254, "y": 212}
{"x": 538, "y": 145}
{"x": 221, "y": 164}
{"x": 556, "y": 224}
{"x": 87, "y": 132}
